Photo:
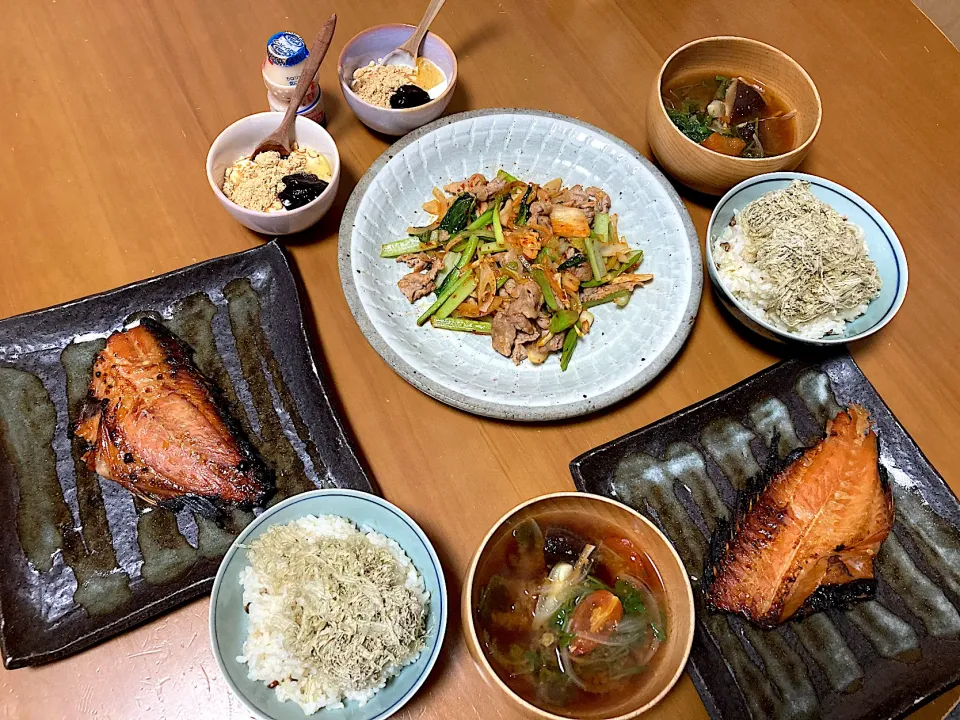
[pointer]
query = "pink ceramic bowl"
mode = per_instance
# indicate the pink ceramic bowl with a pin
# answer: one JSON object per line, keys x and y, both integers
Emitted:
{"x": 373, "y": 44}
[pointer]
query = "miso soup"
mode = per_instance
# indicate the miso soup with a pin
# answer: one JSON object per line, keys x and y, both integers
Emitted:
{"x": 731, "y": 115}
{"x": 571, "y": 613}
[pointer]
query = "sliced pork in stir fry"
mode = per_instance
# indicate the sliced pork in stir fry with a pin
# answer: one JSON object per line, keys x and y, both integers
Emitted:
{"x": 420, "y": 282}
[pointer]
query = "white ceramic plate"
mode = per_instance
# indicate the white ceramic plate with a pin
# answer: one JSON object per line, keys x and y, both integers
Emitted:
{"x": 626, "y": 347}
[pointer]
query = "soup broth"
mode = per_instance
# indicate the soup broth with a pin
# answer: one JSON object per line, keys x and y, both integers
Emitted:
{"x": 571, "y": 613}
{"x": 731, "y": 115}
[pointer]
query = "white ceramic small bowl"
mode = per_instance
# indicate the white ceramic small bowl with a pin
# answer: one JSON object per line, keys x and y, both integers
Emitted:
{"x": 883, "y": 247}
{"x": 239, "y": 140}
{"x": 373, "y": 44}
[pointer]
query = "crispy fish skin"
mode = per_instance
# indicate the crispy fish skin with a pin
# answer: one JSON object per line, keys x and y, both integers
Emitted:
{"x": 154, "y": 424}
{"x": 808, "y": 539}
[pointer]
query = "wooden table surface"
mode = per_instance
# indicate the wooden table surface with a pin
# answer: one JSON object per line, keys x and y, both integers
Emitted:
{"x": 109, "y": 106}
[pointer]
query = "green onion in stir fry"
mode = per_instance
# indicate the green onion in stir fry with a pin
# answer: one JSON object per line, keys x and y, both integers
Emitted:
{"x": 482, "y": 220}
{"x": 480, "y": 327}
{"x": 497, "y": 228}
{"x": 441, "y": 299}
{"x": 548, "y": 297}
{"x": 403, "y": 247}
{"x": 459, "y": 295}
{"x": 562, "y": 320}
{"x": 569, "y": 343}
{"x": 620, "y": 294}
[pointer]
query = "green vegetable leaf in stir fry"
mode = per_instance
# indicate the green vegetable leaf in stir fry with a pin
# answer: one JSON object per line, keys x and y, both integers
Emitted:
{"x": 517, "y": 261}
{"x": 458, "y": 215}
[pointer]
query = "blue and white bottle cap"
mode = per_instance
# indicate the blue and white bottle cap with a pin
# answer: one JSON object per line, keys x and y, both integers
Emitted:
{"x": 286, "y": 48}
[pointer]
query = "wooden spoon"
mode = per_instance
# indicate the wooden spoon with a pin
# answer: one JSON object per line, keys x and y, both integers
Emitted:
{"x": 281, "y": 139}
{"x": 406, "y": 54}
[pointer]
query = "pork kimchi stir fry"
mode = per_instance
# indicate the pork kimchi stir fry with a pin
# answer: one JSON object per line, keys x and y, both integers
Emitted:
{"x": 520, "y": 262}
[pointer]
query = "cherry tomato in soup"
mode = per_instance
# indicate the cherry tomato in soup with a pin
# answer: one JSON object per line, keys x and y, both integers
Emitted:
{"x": 624, "y": 559}
{"x": 597, "y": 614}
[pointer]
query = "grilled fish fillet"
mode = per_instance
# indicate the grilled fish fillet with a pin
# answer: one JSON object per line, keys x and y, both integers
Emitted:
{"x": 808, "y": 539}
{"x": 154, "y": 425}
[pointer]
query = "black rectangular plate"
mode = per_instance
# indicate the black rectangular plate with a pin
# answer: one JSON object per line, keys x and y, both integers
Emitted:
{"x": 81, "y": 559}
{"x": 879, "y": 659}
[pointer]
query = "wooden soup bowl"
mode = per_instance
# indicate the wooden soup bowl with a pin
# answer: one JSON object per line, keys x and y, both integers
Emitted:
{"x": 709, "y": 172}
{"x": 668, "y": 663}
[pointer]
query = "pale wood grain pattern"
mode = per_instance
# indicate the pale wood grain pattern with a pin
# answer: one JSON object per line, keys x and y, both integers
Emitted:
{"x": 102, "y": 204}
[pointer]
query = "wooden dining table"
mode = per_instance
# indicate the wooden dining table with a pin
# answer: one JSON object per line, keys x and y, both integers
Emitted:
{"x": 109, "y": 107}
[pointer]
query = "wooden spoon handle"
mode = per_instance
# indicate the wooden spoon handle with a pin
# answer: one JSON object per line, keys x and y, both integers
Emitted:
{"x": 317, "y": 52}
{"x": 412, "y": 45}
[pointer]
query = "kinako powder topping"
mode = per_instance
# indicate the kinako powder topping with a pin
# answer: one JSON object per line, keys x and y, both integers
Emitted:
{"x": 376, "y": 82}
{"x": 256, "y": 184}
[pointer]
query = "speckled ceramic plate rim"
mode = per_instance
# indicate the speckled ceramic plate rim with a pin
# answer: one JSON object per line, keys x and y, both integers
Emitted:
{"x": 447, "y": 395}
{"x": 264, "y": 518}
{"x": 883, "y": 226}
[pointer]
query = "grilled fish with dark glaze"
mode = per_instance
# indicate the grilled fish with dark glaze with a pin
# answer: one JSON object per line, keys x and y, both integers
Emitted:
{"x": 156, "y": 426}
{"x": 808, "y": 538}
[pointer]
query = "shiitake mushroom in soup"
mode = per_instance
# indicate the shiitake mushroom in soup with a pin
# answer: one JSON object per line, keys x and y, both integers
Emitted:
{"x": 735, "y": 116}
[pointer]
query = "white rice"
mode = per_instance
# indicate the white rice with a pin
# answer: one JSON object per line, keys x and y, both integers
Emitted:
{"x": 747, "y": 284}
{"x": 263, "y": 651}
